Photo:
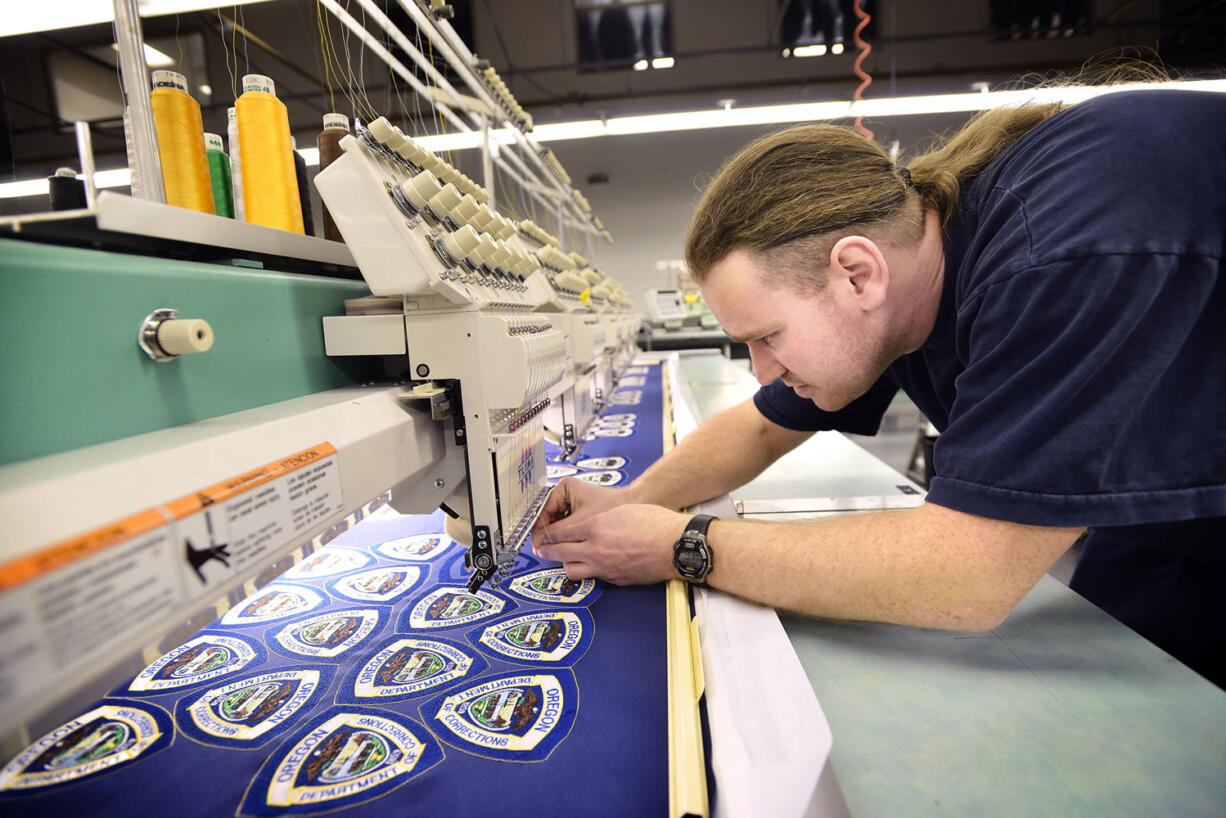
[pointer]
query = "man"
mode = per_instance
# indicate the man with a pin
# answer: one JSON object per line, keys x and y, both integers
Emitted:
{"x": 1046, "y": 287}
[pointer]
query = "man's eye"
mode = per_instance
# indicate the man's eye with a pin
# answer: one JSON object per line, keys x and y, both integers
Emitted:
{"x": 769, "y": 340}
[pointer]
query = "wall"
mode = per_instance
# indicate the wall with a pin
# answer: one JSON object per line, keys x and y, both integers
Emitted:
{"x": 656, "y": 179}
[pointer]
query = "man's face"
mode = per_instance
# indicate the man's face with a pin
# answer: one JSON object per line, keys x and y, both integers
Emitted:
{"x": 819, "y": 342}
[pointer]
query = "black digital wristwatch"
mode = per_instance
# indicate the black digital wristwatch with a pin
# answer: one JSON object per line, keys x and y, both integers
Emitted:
{"x": 692, "y": 554}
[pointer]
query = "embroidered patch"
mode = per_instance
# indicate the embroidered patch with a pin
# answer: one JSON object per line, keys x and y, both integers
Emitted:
{"x": 601, "y": 463}
{"x": 551, "y": 585}
{"x": 541, "y": 638}
{"x": 558, "y": 472}
{"x": 635, "y": 370}
{"x": 206, "y": 657}
{"x": 449, "y": 606}
{"x": 274, "y": 601}
{"x": 631, "y": 380}
{"x": 599, "y": 433}
{"x": 377, "y": 584}
{"x": 344, "y": 756}
{"x": 418, "y": 548}
{"x": 618, "y": 417}
{"x": 326, "y": 635}
{"x": 513, "y": 718}
{"x": 626, "y": 397}
{"x": 253, "y": 710}
{"x": 328, "y": 562}
{"x": 112, "y": 735}
{"x": 603, "y": 478}
{"x": 404, "y": 666}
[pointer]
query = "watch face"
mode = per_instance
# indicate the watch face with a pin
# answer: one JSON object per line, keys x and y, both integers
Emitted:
{"x": 690, "y": 559}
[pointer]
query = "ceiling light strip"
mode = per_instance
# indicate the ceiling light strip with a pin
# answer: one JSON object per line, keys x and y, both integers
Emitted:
{"x": 722, "y": 118}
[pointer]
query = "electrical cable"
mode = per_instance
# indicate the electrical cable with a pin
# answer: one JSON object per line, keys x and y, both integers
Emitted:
{"x": 866, "y": 79}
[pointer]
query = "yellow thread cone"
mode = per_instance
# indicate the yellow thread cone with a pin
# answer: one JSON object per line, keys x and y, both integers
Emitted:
{"x": 180, "y": 131}
{"x": 270, "y": 187}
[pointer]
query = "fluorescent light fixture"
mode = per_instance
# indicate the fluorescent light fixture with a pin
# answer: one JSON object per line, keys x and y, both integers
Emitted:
{"x": 818, "y": 50}
{"x": 836, "y": 49}
{"x": 663, "y": 62}
{"x": 153, "y": 57}
{"x": 27, "y": 17}
{"x": 119, "y": 177}
{"x": 641, "y": 65}
{"x": 724, "y": 117}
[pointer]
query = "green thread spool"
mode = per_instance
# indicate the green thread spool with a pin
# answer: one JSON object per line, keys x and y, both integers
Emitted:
{"x": 219, "y": 172}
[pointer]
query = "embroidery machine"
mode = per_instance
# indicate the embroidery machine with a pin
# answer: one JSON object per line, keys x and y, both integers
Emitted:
{"x": 221, "y": 428}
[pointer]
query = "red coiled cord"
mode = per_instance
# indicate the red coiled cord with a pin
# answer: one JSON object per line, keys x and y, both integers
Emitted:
{"x": 866, "y": 79}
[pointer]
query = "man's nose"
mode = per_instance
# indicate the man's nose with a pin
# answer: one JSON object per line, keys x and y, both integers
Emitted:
{"x": 765, "y": 367}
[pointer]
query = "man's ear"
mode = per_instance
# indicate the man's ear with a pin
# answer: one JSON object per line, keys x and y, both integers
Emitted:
{"x": 859, "y": 270}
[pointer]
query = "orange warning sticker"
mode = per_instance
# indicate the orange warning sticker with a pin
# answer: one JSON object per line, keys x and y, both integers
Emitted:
{"x": 192, "y": 503}
{"x": 71, "y": 550}
{"x": 68, "y": 551}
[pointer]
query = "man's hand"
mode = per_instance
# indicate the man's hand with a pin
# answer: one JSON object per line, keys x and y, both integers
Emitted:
{"x": 577, "y": 500}
{"x": 625, "y": 545}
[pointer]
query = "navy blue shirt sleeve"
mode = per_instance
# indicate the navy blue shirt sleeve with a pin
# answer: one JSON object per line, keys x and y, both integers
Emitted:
{"x": 780, "y": 404}
{"x": 1085, "y": 402}
{"x": 1091, "y": 380}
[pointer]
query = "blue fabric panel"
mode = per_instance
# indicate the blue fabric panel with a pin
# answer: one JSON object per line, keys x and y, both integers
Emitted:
{"x": 317, "y": 694}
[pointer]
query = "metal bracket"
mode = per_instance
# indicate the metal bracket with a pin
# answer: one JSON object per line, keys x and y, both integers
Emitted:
{"x": 147, "y": 338}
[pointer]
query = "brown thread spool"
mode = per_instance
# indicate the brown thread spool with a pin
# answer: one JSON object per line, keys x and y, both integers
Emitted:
{"x": 336, "y": 127}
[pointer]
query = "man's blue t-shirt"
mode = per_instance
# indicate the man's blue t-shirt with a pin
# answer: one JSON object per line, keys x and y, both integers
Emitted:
{"x": 1077, "y": 368}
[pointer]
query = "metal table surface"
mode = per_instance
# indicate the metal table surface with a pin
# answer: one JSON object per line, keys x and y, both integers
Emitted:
{"x": 1060, "y": 711}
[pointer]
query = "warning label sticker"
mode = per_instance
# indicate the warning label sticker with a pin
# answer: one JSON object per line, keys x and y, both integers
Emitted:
{"x": 65, "y": 608}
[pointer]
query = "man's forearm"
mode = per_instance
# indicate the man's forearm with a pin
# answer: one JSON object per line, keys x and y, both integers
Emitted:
{"x": 725, "y": 452}
{"x": 927, "y": 567}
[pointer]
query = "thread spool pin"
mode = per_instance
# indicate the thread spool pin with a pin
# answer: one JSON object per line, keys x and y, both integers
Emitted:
{"x": 163, "y": 336}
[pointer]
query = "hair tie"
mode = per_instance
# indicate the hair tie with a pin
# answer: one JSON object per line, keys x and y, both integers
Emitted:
{"x": 906, "y": 177}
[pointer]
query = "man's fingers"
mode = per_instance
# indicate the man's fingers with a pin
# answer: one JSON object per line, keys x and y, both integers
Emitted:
{"x": 578, "y": 570}
{"x": 558, "y": 552}
{"x": 557, "y": 506}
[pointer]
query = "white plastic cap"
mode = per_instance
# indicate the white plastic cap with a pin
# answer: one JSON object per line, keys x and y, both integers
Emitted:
{"x": 466, "y": 210}
{"x": 259, "y": 82}
{"x": 182, "y": 336}
{"x": 169, "y": 79}
{"x": 336, "y": 121}
{"x": 381, "y": 130}
{"x": 460, "y": 243}
{"x": 485, "y": 219}
{"x": 445, "y": 200}
{"x": 484, "y": 252}
{"x": 421, "y": 188}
